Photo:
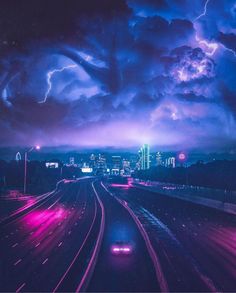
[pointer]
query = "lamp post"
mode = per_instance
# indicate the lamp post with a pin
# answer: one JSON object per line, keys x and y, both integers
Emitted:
{"x": 37, "y": 147}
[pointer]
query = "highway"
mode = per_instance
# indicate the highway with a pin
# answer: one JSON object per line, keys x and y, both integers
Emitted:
{"x": 134, "y": 273}
{"x": 40, "y": 246}
{"x": 195, "y": 244}
{"x": 63, "y": 243}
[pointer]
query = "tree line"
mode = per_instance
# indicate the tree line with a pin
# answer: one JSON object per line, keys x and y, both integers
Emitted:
{"x": 220, "y": 174}
{"x": 40, "y": 179}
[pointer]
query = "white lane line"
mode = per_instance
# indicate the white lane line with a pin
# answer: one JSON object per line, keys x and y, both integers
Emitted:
{"x": 92, "y": 262}
{"x": 44, "y": 261}
{"x": 156, "y": 262}
{"x": 37, "y": 244}
{"x": 18, "y": 261}
{"x": 60, "y": 244}
{"x": 55, "y": 202}
{"x": 77, "y": 254}
{"x": 14, "y": 245}
{"x": 18, "y": 290}
{"x": 69, "y": 232}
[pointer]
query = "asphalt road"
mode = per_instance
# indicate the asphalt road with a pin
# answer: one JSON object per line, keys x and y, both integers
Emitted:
{"x": 63, "y": 243}
{"x": 195, "y": 245}
{"x": 114, "y": 273}
{"x": 38, "y": 247}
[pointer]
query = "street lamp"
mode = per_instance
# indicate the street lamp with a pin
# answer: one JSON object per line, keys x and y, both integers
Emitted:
{"x": 37, "y": 147}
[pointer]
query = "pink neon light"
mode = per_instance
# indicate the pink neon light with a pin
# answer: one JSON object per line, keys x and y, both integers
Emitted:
{"x": 119, "y": 249}
{"x": 182, "y": 156}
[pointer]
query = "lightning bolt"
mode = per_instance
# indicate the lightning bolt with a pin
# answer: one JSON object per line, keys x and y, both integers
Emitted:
{"x": 229, "y": 50}
{"x": 49, "y": 81}
{"x": 211, "y": 46}
{"x": 204, "y": 11}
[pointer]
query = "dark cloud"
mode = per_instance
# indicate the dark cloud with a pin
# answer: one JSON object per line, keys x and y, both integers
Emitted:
{"x": 229, "y": 40}
{"x": 192, "y": 97}
{"x": 158, "y": 31}
{"x": 117, "y": 72}
{"x": 150, "y": 8}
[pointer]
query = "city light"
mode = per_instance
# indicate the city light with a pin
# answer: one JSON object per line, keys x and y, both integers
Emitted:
{"x": 182, "y": 156}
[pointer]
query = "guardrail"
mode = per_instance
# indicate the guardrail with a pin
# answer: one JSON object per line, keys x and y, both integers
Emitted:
{"x": 224, "y": 200}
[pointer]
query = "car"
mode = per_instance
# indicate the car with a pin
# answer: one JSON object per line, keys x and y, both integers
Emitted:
{"x": 121, "y": 247}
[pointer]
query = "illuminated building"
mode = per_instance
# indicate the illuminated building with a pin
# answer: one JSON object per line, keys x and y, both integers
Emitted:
{"x": 133, "y": 162}
{"x": 18, "y": 157}
{"x": 126, "y": 170}
{"x": 92, "y": 161}
{"x": 116, "y": 165}
{"x": 86, "y": 169}
{"x": 101, "y": 166}
{"x": 170, "y": 162}
{"x": 144, "y": 155}
{"x": 52, "y": 165}
{"x": 72, "y": 161}
{"x": 159, "y": 159}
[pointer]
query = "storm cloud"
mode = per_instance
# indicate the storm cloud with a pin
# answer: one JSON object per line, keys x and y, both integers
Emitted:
{"x": 118, "y": 73}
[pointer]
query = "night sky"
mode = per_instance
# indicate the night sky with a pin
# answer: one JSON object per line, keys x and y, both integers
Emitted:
{"x": 118, "y": 73}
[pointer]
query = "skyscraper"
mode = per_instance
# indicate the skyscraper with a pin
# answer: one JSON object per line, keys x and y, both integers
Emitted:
{"x": 18, "y": 157}
{"x": 71, "y": 160}
{"x": 144, "y": 155}
{"x": 101, "y": 165}
{"x": 170, "y": 162}
{"x": 116, "y": 165}
{"x": 159, "y": 159}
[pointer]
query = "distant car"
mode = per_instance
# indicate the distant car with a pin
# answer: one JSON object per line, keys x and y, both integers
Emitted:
{"x": 121, "y": 247}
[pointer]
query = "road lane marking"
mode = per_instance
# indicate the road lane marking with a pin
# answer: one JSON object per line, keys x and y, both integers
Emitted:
{"x": 44, "y": 261}
{"x": 18, "y": 290}
{"x": 78, "y": 253}
{"x": 18, "y": 261}
{"x": 92, "y": 262}
{"x": 37, "y": 244}
{"x": 60, "y": 244}
{"x": 14, "y": 245}
{"x": 159, "y": 273}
